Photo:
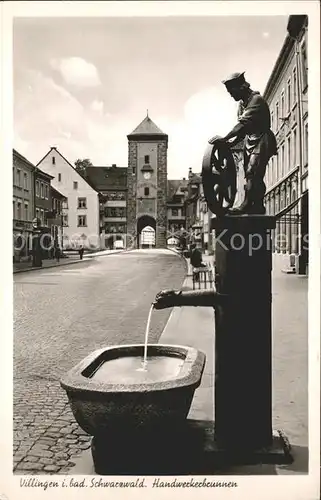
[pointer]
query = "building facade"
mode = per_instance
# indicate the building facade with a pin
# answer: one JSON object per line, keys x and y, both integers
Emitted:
{"x": 111, "y": 184}
{"x": 176, "y": 219}
{"x": 55, "y": 216}
{"x": 287, "y": 173}
{"x": 194, "y": 208}
{"x": 43, "y": 206}
{"x": 147, "y": 185}
{"x": 192, "y": 200}
{"x": 43, "y": 202}
{"x": 22, "y": 206}
{"x": 81, "y": 213}
{"x": 205, "y": 220}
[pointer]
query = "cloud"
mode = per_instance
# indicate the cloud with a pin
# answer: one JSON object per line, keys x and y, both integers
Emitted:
{"x": 46, "y": 116}
{"x": 76, "y": 71}
{"x": 57, "y": 117}
{"x": 51, "y": 115}
{"x": 50, "y": 108}
{"x": 206, "y": 113}
{"x": 173, "y": 80}
{"x": 97, "y": 106}
{"x": 209, "y": 111}
{"x": 19, "y": 143}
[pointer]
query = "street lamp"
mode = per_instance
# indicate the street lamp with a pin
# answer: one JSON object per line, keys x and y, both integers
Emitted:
{"x": 36, "y": 246}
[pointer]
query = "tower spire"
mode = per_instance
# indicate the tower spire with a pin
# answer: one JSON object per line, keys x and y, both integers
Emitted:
{"x": 147, "y": 114}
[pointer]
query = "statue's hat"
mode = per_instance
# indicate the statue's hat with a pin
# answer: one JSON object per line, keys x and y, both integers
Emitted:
{"x": 234, "y": 80}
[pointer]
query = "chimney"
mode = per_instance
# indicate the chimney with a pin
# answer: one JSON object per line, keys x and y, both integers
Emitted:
{"x": 295, "y": 25}
{"x": 190, "y": 173}
{"x": 114, "y": 165}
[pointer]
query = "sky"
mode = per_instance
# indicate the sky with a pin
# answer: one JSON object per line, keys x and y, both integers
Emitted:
{"x": 83, "y": 84}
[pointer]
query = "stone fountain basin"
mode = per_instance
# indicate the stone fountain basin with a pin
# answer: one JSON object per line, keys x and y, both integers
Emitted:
{"x": 100, "y": 404}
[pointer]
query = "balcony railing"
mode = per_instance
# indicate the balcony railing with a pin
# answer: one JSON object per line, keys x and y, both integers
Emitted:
{"x": 115, "y": 219}
{"x": 176, "y": 217}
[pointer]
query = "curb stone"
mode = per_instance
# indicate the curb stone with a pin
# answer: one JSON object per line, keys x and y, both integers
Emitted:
{"x": 182, "y": 257}
{"x": 29, "y": 269}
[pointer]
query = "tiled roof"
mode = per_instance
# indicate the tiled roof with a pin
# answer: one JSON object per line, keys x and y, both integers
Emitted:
{"x": 173, "y": 186}
{"x": 55, "y": 192}
{"x": 41, "y": 173}
{"x": 104, "y": 178}
{"x": 195, "y": 179}
{"x": 147, "y": 127}
{"x": 22, "y": 158}
{"x": 68, "y": 162}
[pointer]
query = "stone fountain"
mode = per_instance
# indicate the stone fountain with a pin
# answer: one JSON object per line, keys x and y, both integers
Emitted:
{"x": 242, "y": 303}
{"x": 128, "y": 409}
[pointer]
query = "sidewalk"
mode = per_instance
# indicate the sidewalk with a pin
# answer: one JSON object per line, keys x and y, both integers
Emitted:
{"x": 195, "y": 327}
{"x": 72, "y": 258}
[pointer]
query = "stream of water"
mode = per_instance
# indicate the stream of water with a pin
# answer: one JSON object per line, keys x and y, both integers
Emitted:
{"x": 134, "y": 369}
{"x": 144, "y": 367}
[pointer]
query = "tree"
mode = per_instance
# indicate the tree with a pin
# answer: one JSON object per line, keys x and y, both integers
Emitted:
{"x": 81, "y": 166}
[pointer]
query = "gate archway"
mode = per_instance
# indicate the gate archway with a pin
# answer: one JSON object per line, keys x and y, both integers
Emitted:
{"x": 146, "y": 232}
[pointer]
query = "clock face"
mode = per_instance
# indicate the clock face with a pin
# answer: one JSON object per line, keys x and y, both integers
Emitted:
{"x": 147, "y": 175}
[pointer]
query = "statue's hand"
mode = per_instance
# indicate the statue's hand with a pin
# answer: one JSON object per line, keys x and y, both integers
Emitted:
{"x": 233, "y": 142}
{"x": 216, "y": 140}
{"x": 165, "y": 298}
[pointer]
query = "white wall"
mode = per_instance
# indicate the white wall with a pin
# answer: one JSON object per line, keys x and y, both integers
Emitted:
{"x": 66, "y": 187}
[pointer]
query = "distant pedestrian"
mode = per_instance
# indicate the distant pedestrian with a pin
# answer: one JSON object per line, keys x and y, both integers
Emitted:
{"x": 110, "y": 243}
{"x": 81, "y": 252}
{"x": 196, "y": 259}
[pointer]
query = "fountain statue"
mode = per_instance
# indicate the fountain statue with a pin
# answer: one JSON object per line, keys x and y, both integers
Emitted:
{"x": 254, "y": 127}
{"x": 243, "y": 293}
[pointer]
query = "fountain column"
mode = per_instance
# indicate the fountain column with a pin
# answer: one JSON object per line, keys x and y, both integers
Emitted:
{"x": 243, "y": 339}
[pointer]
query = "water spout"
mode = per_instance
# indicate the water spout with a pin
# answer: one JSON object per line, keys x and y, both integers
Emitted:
{"x": 195, "y": 298}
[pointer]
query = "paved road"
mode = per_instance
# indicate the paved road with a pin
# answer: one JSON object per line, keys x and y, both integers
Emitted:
{"x": 60, "y": 316}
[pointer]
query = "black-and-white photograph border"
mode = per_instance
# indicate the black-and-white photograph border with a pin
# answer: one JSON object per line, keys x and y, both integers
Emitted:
{"x": 161, "y": 288}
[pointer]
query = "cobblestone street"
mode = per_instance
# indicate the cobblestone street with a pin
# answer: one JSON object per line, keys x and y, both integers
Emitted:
{"x": 60, "y": 316}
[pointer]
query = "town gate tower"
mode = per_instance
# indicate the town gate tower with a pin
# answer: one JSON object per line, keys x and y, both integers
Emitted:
{"x": 147, "y": 185}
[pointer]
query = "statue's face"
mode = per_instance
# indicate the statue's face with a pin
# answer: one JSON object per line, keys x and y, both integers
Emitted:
{"x": 235, "y": 92}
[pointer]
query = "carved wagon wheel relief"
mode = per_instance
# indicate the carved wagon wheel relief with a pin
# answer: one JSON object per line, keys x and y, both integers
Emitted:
{"x": 219, "y": 178}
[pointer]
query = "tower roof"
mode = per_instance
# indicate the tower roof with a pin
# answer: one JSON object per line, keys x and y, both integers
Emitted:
{"x": 147, "y": 127}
